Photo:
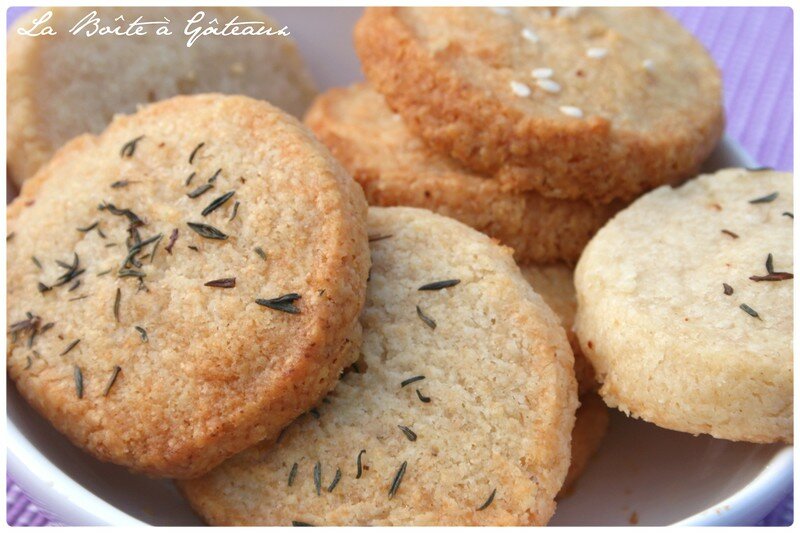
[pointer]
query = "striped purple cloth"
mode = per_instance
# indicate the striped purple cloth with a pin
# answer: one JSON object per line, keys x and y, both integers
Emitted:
{"x": 753, "y": 48}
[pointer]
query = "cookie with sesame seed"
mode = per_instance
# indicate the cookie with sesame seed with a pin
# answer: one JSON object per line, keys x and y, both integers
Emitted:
{"x": 685, "y": 307}
{"x": 591, "y": 103}
{"x": 64, "y": 85}
{"x": 185, "y": 284}
{"x": 463, "y": 402}
{"x": 395, "y": 168}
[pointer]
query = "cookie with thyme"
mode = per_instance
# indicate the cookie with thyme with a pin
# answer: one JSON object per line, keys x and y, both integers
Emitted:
{"x": 185, "y": 284}
{"x": 685, "y": 307}
{"x": 463, "y": 402}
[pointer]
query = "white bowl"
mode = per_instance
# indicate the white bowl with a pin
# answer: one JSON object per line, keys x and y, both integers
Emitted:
{"x": 662, "y": 476}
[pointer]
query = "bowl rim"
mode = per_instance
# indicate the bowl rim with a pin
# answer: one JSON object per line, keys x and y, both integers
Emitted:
{"x": 65, "y": 500}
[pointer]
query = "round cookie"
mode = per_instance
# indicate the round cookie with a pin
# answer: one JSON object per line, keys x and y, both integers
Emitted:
{"x": 591, "y": 425}
{"x": 395, "y": 168}
{"x": 685, "y": 307}
{"x": 554, "y": 284}
{"x": 480, "y": 405}
{"x": 164, "y": 325}
{"x": 60, "y": 86}
{"x": 591, "y": 103}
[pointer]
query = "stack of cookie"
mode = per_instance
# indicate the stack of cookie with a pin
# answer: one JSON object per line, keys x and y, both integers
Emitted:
{"x": 532, "y": 125}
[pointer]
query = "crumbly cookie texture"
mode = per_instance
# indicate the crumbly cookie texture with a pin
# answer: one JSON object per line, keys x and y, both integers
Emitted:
{"x": 685, "y": 306}
{"x": 185, "y": 284}
{"x": 554, "y": 284}
{"x": 594, "y": 103}
{"x": 464, "y": 423}
{"x": 591, "y": 425}
{"x": 395, "y": 168}
{"x": 65, "y": 85}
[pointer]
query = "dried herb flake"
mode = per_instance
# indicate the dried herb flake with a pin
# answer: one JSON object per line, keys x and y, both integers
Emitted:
{"x": 359, "y": 469}
{"x": 750, "y": 311}
{"x": 398, "y": 478}
{"x": 217, "y": 203}
{"x": 439, "y": 285}
{"x": 78, "y": 375}
{"x": 69, "y": 347}
{"x": 112, "y": 380}
{"x": 409, "y": 381}
{"x": 209, "y": 232}
{"x": 194, "y": 152}
{"x": 142, "y": 333}
{"x": 410, "y": 435}
{"x": 336, "y": 477}
{"x": 224, "y": 283}
{"x": 765, "y": 199}
{"x": 426, "y": 319}
{"x": 318, "y": 478}
{"x": 130, "y": 147}
{"x": 200, "y": 190}
{"x": 283, "y": 303}
{"x": 727, "y": 289}
{"x": 488, "y": 502}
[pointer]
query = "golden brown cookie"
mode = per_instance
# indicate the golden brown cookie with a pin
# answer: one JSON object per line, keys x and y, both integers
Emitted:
{"x": 395, "y": 168}
{"x": 185, "y": 284}
{"x": 554, "y": 284}
{"x": 591, "y": 425}
{"x": 591, "y": 103}
{"x": 685, "y": 307}
{"x": 463, "y": 405}
{"x": 63, "y": 85}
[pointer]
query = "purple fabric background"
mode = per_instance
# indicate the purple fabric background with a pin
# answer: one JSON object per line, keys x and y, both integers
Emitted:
{"x": 753, "y": 48}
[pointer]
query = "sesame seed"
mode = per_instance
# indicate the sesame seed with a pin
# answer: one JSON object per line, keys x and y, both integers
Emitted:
{"x": 530, "y": 35}
{"x": 571, "y": 111}
{"x": 568, "y": 12}
{"x": 541, "y": 73}
{"x": 520, "y": 89}
{"x": 596, "y": 53}
{"x": 548, "y": 85}
{"x": 501, "y": 10}
{"x": 648, "y": 65}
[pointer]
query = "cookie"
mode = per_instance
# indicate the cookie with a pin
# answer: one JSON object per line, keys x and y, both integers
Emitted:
{"x": 685, "y": 307}
{"x": 395, "y": 168}
{"x": 591, "y": 103}
{"x": 185, "y": 284}
{"x": 463, "y": 403}
{"x": 554, "y": 284}
{"x": 591, "y": 425}
{"x": 60, "y": 86}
